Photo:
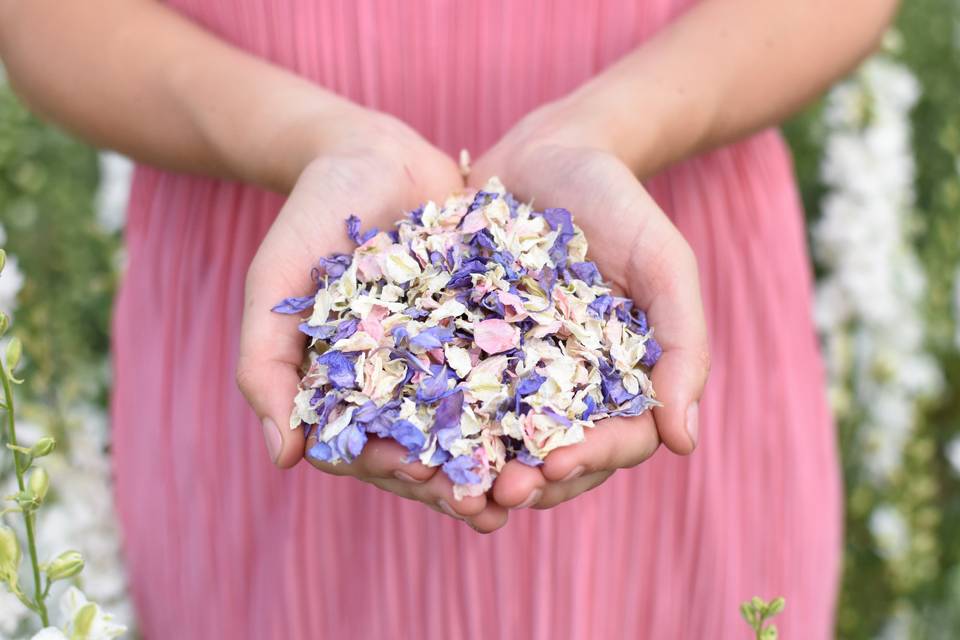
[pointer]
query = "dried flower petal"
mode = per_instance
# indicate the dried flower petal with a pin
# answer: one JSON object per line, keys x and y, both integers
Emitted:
{"x": 473, "y": 333}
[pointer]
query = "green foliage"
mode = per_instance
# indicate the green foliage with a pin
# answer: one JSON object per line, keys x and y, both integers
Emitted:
{"x": 47, "y": 188}
{"x": 756, "y": 612}
{"x": 927, "y": 490}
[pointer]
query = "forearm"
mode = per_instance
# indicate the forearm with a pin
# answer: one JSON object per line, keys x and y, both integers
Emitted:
{"x": 724, "y": 70}
{"x": 135, "y": 76}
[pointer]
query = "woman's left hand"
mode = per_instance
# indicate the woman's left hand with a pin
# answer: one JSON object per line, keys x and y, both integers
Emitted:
{"x": 642, "y": 254}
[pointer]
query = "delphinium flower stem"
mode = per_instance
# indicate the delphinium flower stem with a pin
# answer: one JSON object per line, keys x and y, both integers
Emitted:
{"x": 28, "y": 515}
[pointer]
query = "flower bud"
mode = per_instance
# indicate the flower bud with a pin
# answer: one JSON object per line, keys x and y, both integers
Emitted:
{"x": 38, "y": 484}
{"x": 4, "y": 323}
{"x": 776, "y": 606}
{"x": 14, "y": 350}
{"x": 43, "y": 447}
{"x": 9, "y": 555}
{"x": 66, "y": 565}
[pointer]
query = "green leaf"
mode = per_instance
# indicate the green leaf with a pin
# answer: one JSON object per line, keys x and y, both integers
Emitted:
{"x": 3, "y": 259}
{"x": 770, "y": 633}
{"x": 746, "y": 610}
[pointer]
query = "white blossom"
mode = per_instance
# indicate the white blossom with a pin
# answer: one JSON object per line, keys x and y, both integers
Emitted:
{"x": 868, "y": 305}
{"x": 891, "y": 531}
{"x": 113, "y": 191}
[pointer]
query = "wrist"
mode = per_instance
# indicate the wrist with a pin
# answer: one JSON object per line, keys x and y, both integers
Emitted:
{"x": 644, "y": 123}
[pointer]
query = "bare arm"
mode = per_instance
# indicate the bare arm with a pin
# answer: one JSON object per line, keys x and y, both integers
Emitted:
{"x": 725, "y": 69}
{"x": 135, "y": 76}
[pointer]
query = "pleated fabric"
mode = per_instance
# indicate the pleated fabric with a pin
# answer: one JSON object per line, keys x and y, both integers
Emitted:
{"x": 219, "y": 544}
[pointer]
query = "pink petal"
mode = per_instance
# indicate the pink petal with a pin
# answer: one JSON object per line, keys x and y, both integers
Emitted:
{"x": 372, "y": 323}
{"x": 513, "y": 306}
{"x": 475, "y": 221}
{"x": 495, "y": 335}
{"x": 368, "y": 268}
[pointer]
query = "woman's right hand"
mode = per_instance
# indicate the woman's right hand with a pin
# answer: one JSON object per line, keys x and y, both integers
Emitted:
{"x": 376, "y": 167}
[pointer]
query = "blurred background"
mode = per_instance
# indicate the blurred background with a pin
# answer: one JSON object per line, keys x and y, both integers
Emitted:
{"x": 878, "y": 161}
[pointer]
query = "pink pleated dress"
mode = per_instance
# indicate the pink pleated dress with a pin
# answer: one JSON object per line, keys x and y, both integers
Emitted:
{"x": 220, "y": 544}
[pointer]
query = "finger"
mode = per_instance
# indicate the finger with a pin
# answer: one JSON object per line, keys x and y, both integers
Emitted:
{"x": 671, "y": 294}
{"x": 492, "y": 517}
{"x": 518, "y": 486}
{"x": 559, "y": 492}
{"x": 487, "y": 519}
{"x": 385, "y": 458}
{"x": 438, "y": 491}
{"x": 614, "y": 443}
{"x": 333, "y": 468}
{"x": 271, "y": 349}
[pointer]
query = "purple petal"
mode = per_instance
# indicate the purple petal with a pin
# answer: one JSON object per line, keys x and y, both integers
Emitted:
{"x": 637, "y": 405}
{"x": 340, "y": 369}
{"x": 349, "y": 443}
{"x": 320, "y": 332}
{"x": 462, "y": 277}
{"x": 446, "y": 421}
{"x": 601, "y": 305}
{"x": 460, "y": 470}
{"x": 507, "y": 261}
{"x": 491, "y": 302}
{"x": 353, "y": 230}
{"x": 439, "y": 457}
{"x": 410, "y": 359}
{"x": 530, "y": 383}
{"x": 653, "y": 353}
{"x": 483, "y": 240}
{"x": 612, "y": 385}
{"x": 432, "y": 338}
{"x": 562, "y": 220}
{"x": 293, "y": 305}
{"x": 320, "y": 451}
{"x": 407, "y": 434}
{"x": 528, "y": 459}
{"x": 345, "y": 329}
{"x": 331, "y": 268}
{"x": 434, "y": 387}
{"x": 591, "y": 407}
{"x": 586, "y": 271}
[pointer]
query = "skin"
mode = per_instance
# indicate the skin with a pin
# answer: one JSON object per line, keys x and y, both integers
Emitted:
{"x": 168, "y": 93}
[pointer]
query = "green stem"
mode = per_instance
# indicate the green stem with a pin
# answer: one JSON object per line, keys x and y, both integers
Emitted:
{"x": 28, "y": 517}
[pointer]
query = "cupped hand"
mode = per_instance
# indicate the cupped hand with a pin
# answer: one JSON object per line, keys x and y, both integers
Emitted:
{"x": 377, "y": 169}
{"x": 548, "y": 160}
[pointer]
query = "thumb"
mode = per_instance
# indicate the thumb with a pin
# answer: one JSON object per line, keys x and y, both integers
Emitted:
{"x": 269, "y": 387}
{"x": 271, "y": 350}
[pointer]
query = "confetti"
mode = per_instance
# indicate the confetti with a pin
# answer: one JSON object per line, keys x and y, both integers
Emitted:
{"x": 472, "y": 334}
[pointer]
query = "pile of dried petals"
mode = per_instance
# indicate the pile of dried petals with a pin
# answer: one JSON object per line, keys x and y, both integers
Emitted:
{"x": 471, "y": 334}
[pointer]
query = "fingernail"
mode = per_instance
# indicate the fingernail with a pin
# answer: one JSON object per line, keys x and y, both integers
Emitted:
{"x": 693, "y": 422}
{"x": 575, "y": 473}
{"x": 406, "y": 477}
{"x": 447, "y": 509}
{"x": 531, "y": 500}
{"x": 271, "y": 435}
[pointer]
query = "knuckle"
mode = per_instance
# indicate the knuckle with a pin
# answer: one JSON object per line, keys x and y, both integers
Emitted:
{"x": 704, "y": 360}
{"x": 244, "y": 377}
